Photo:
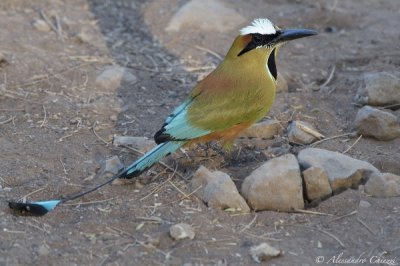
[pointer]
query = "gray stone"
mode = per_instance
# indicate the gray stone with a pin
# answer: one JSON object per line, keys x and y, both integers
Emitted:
{"x": 377, "y": 123}
{"x": 383, "y": 185}
{"x": 112, "y": 166}
{"x": 343, "y": 171}
{"x": 301, "y": 132}
{"x": 265, "y": 130}
{"x": 364, "y": 204}
{"x": 264, "y": 252}
{"x": 181, "y": 231}
{"x": 207, "y": 15}
{"x": 275, "y": 185}
{"x": 3, "y": 59}
{"x": 142, "y": 144}
{"x": 43, "y": 250}
{"x": 380, "y": 89}
{"x": 112, "y": 76}
{"x": 316, "y": 183}
{"x": 217, "y": 190}
{"x": 41, "y": 25}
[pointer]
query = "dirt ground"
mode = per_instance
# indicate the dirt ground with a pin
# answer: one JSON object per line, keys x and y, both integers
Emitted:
{"x": 57, "y": 123}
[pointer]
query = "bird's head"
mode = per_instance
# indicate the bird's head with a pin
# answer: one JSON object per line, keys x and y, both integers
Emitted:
{"x": 262, "y": 34}
{"x": 261, "y": 40}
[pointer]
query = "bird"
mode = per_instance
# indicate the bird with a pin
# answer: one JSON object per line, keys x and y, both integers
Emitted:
{"x": 237, "y": 94}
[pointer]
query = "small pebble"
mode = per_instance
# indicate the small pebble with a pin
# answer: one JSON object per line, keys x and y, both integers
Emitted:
{"x": 181, "y": 231}
{"x": 364, "y": 204}
{"x": 41, "y": 25}
{"x": 264, "y": 252}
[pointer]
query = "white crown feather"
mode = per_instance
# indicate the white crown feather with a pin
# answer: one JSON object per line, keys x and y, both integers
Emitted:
{"x": 261, "y": 26}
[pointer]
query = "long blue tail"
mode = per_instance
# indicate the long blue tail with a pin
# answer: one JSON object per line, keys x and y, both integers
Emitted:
{"x": 150, "y": 158}
{"x": 135, "y": 169}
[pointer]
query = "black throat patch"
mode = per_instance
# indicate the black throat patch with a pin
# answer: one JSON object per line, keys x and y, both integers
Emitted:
{"x": 272, "y": 65}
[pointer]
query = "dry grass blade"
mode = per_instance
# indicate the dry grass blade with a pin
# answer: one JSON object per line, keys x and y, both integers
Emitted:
{"x": 322, "y": 231}
{"x": 247, "y": 226}
{"x": 329, "y": 77}
{"x": 343, "y": 216}
{"x": 366, "y": 226}
{"x": 352, "y": 145}
{"x": 7, "y": 120}
{"x": 310, "y": 131}
{"x": 45, "y": 116}
{"x": 312, "y": 212}
{"x": 89, "y": 202}
{"x": 333, "y": 137}
{"x": 209, "y": 51}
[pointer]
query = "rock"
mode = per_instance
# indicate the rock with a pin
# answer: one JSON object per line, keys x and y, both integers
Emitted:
{"x": 142, "y": 144}
{"x": 265, "y": 129}
{"x": 207, "y": 15}
{"x": 113, "y": 118}
{"x": 112, "y": 76}
{"x": 364, "y": 204}
{"x": 377, "y": 123}
{"x": 83, "y": 37}
{"x": 181, "y": 231}
{"x": 112, "y": 166}
{"x": 275, "y": 185}
{"x": 343, "y": 171}
{"x": 380, "y": 89}
{"x": 383, "y": 185}
{"x": 300, "y": 132}
{"x": 41, "y": 25}
{"x": 43, "y": 250}
{"x": 218, "y": 190}
{"x": 3, "y": 59}
{"x": 264, "y": 252}
{"x": 316, "y": 183}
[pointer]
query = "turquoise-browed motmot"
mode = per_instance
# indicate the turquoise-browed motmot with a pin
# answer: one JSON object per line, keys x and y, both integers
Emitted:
{"x": 238, "y": 93}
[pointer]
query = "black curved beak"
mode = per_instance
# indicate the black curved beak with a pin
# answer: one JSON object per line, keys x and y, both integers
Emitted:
{"x": 292, "y": 34}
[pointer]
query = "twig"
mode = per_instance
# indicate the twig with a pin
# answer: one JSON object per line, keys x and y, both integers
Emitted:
{"x": 89, "y": 202}
{"x": 391, "y": 106}
{"x": 7, "y": 121}
{"x": 343, "y": 216}
{"x": 59, "y": 28}
{"x": 38, "y": 227}
{"x": 95, "y": 133}
{"x": 2, "y": 179}
{"x": 13, "y": 231}
{"x": 63, "y": 165}
{"x": 329, "y": 77}
{"x": 157, "y": 187}
{"x": 209, "y": 51}
{"x": 185, "y": 197}
{"x": 352, "y": 145}
{"x": 48, "y": 21}
{"x": 365, "y": 225}
{"x": 247, "y": 226}
{"x": 180, "y": 191}
{"x": 31, "y": 193}
{"x": 312, "y": 212}
{"x": 322, "y": 231}
{"x": 45, "y": 116}
{"x": 310, "y": 131}
{"x": 330, "y": 138}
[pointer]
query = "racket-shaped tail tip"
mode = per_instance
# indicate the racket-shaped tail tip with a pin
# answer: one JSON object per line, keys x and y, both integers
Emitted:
{"x": 34, "y": 208}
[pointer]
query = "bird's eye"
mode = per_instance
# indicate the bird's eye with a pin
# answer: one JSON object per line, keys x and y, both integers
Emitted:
{"x": 257, "y": 39}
